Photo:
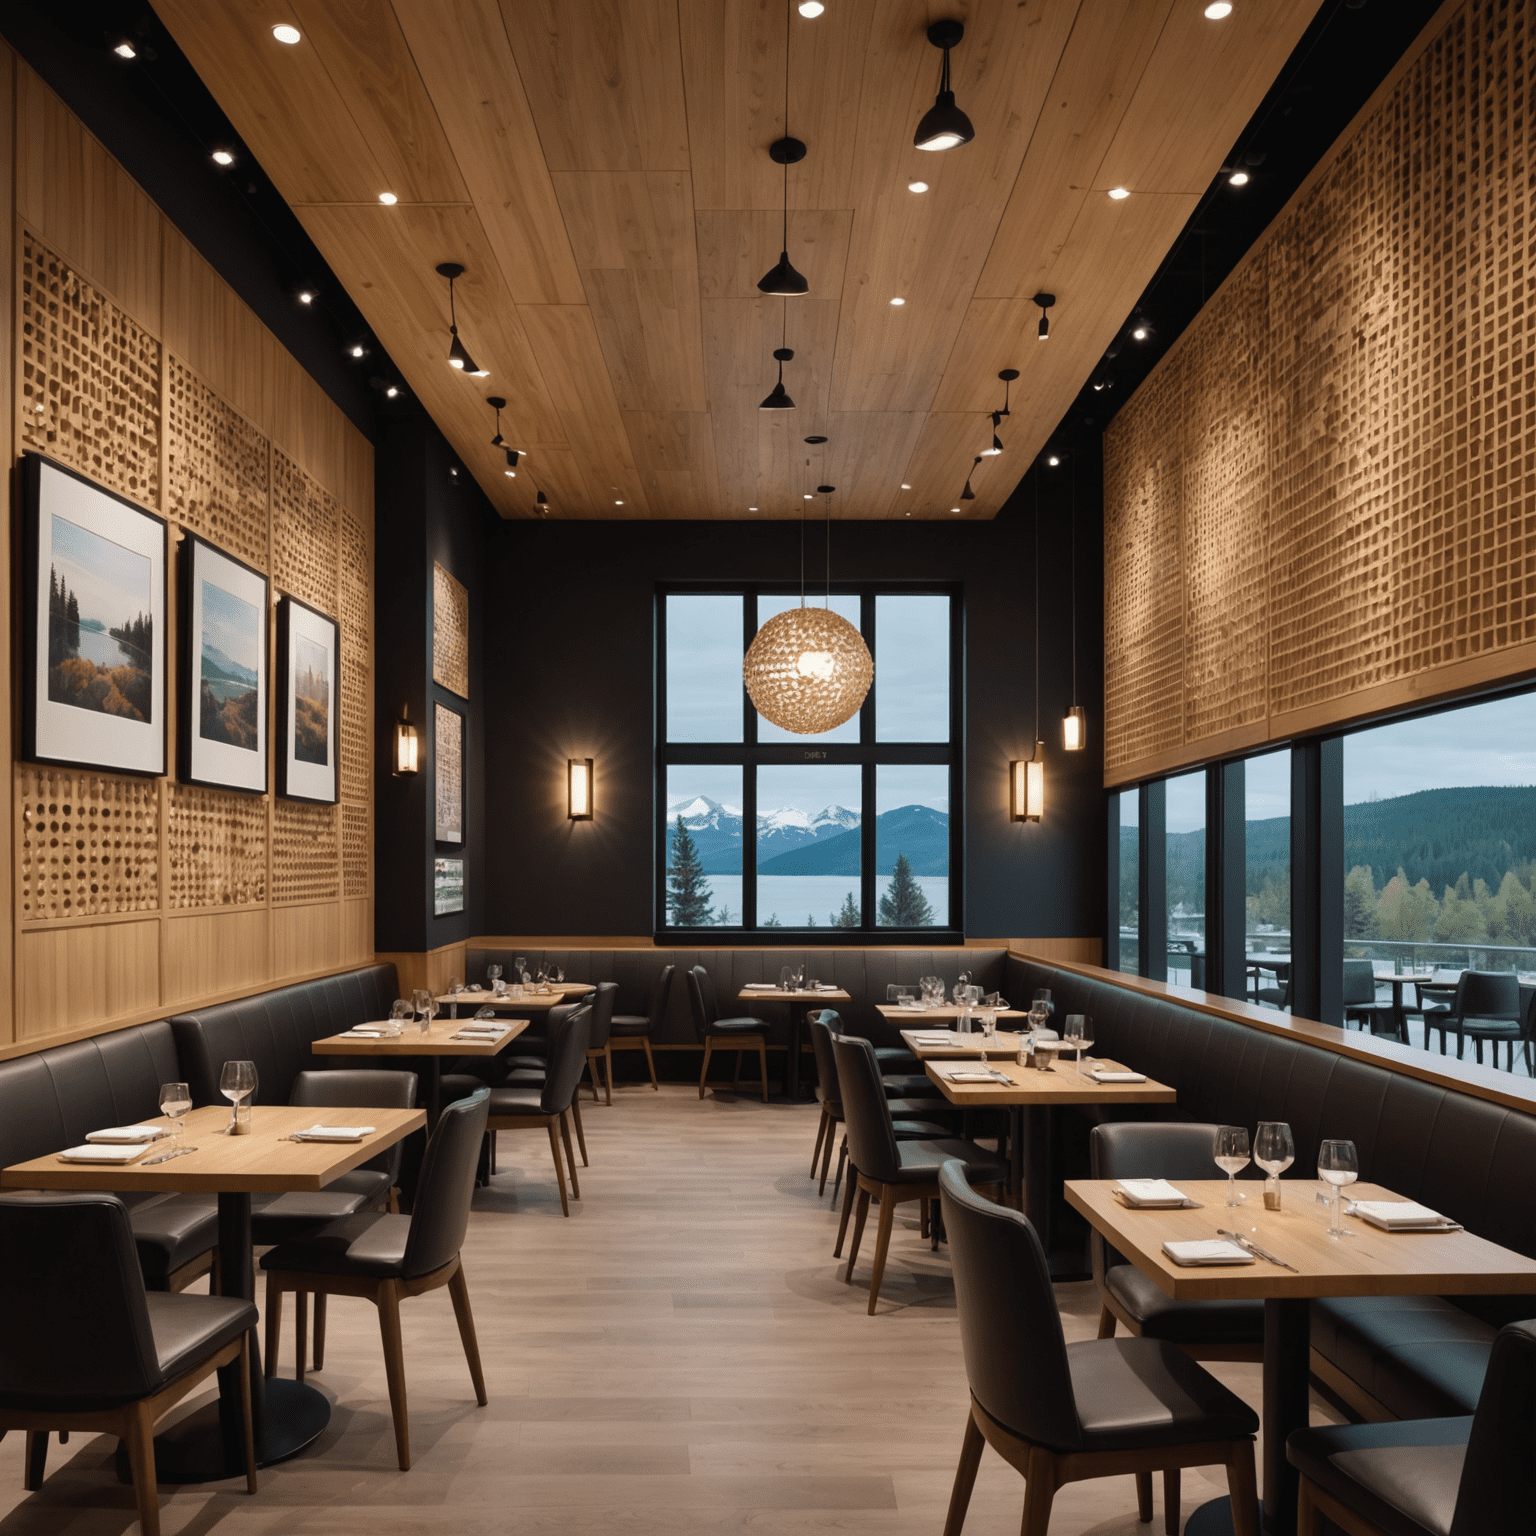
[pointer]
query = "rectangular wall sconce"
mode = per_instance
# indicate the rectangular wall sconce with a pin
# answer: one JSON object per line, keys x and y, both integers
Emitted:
{"x": 578, "y": 788}
{"x": 1028, "y": 787}
{"x": 406, "y": 758}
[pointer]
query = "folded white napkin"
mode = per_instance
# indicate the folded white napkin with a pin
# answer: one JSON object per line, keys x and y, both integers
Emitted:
{"x": 1399, "y": 1215}
{"x": 94, "y": 1153}
{"x": 1100, "y": 1075}
{"x": 1212, "y": 1250}
{"x": 761, "y": 986}
{"x": 975, "y": 1075}
{"x": 127, "y": 1135}
{"x": 360, "y": 1033}
{"x": 483, "y": 1027}
{"x": 1149, "y": 1192}
{"x": 938, "y": 1037}
{"x": 333, "y": 1133}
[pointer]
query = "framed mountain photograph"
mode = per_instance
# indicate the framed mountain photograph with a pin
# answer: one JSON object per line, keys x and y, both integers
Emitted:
{"x": 94, "y": 625}
{"x": 308, "y": 657}
{"x": 222, "y": 739}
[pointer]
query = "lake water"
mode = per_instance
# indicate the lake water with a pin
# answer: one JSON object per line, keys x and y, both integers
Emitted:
{"x": 791, "y": 898}
{"x": 98, "y": 646}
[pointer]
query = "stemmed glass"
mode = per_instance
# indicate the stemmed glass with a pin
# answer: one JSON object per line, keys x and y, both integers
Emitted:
{"x": 1274, "y": 1151}
{"x": 1044, "y": 996}
{"x": 175, "y": 1101}
{"x": 237, "y": 1081}
{"x": 424, "y": 1005}
{"x": 399, "y": 1012}
{"x": 1231, "y": 1155}
{"x": 493, "y": 975}
{"x": 1339, "y": 1164}
{"x": 1078, "y": 1033}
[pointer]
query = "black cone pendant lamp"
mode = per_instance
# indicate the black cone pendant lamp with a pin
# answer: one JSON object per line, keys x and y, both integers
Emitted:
{"x": 1008, "y": 375}
{"x": 944, "y": 125}
{"x": 782, "y": 280}
{"x": 778, "y": 397}
{"x": 458, "y": 357}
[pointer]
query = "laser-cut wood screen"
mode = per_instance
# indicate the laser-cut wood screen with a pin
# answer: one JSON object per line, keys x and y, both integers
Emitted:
{"x": 134, "y": 363}
{"x": 1321, "y": 505}
{"x": 450, "y": 632}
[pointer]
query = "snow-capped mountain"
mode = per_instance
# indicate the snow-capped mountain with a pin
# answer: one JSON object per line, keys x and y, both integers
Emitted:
{"x": 716, "y": 830}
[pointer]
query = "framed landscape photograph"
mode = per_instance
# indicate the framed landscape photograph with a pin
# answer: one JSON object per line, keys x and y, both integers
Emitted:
{"x": 308, "y": 652}
{"x": 447, "y": 886}
{"x": 94, "y": 625}
{"x": 449, "y": 759}
{"x": 223, "y": 706}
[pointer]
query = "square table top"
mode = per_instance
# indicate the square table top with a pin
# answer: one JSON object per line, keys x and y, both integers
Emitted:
{"x": 438, "y": 1041}
{"x": 1368, "y": 1263}
{"x": 559, "y": 994}
{"x": 1061, "y": 1085}
{"x": 777, "y": 995}
{"x": 1005, "y": 1044}
{"x": 263, "y": 1160}
{"x": 940, "y": 1014}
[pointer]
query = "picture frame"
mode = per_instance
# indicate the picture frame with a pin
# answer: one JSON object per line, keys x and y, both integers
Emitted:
{"x": 447, "y": 886}
{"x": 448, "y": 773}
{"x": 222, "y": 718}
{"x": 94, "y": 624}
{"x": 308, "y": 702}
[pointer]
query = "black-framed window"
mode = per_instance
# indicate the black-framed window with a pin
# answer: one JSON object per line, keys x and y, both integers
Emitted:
{"x": 855, "y": 831}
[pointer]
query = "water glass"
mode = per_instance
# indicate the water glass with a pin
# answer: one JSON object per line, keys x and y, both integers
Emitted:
{"x": 1078, "y": 1033}
{"x": 520, "y": 968}
{"x": 1274, "y": 1151}
{"x": 175, "y": 1101}
{"x": 237, "y": 1081}
{"x": 1338, "y": 1164}
{"x": 1044, "y": 995}
{"x": 420, "y": 999}
{"x": 1231, "y": 1153}
{"x": 493, "y": 974}
{"x": 786, "y": 976}
{"x": 486, "y": 1013}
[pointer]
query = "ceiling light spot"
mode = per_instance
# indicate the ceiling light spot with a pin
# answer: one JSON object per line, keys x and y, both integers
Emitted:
{"x": 618, "y": 503}
{"x": 355, "y": 350}
{"x": 810, "y": 9}
{"x": 808, "y": 496}
{"x": 1218, "y": 10}
{"x": 1238, "y": 179}
{"x": 917, "y": 186}
{"x": 954, "y": 509}
{"x": 1119, "y": 194}
{"x": 305, "y": 296}
{"x": 1140, "y": 333}
{"x": 391, "y": 392}
{"x": 126, "y": 50}
{"x": 223, "y": 157}
{"x": 751, "y": 509}
{"x": 389, "y": 199}
{"x": 285, "y": 33}
{"x": 897, "y": 302}
{"x": 511, "y": 474}
{"x": 1053, "y": 461}
{"x": 905, "y": 486}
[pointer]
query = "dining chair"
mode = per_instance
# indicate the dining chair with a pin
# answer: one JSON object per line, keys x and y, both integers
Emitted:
{"x": 385, "y": 1258}
{"x": 372, "y": 1187}
{"x": 742, "y": 1032}
{"x": 633, "y": 1030}
{"x": 900, "y": 1071}
{"x": 889, "y": 1170}
{"x": 1061, "y": 1413}
{"x": 1430, "y": 1477}
{"x": 1204, "y": 1330}
{"x": 1360, "y": 994}
{"x": 600, "y": 1046}
{"x": 527, "y": 1106}
{"x": 533, "y": 1071}
{"x": 84, "y": 1347}
{"x": 1486, "y": 1006}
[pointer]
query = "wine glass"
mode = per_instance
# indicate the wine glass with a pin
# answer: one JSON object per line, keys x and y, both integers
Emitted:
{"x": 1231, "y": 1153}
{"x": 1044, "y": 995}
{"x": 486, "y": 1013}
{"x": 175, "y": 1101}
{"x": 1077, "y": 1032}
{"x": 785, "y": 976}
{"x": 420, "y": 1001}
{"x": 1339, "y": 1164}
{"x": 1274, "y": 1151}
{"x": 493, "y": 974}
{"x": 237, "y": 1081}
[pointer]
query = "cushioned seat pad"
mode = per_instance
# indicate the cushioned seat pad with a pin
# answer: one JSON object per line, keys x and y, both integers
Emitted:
{"x": 896, "y": 1058}
{"x": 190, "y": 1328}
{"x": 171, "y": 1231}
{"x": 629, "y": 1024}
{"x": 369, "y": 1244}
{"x": 921, "y": 1108}
{"x": 921, "y": 1161}
{"x": 737, "y": 1027}
{"x": 918, "y": 1130}
{"x": 1159, "y": 1316}
{"x": 297, "y": 1212}
{"x": 1418, "y": 1356}
{"x": 517, "y": 1101}
{"x": 1403, "y": 1478}
{"x": 906, "y": 1085}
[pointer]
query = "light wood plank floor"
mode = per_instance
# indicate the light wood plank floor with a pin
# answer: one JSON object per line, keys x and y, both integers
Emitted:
{"x": 679, "y": 1358}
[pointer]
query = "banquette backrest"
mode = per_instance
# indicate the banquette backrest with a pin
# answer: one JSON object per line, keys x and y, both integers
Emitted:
{"x": 863, "y": 973}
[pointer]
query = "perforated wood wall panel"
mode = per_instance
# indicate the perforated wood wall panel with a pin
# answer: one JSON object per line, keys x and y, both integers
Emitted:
{"x": 305, "y": 858}
{"x": 1342, "y": 444}
{"x": 90, "y": 378}
{"x": 87, "y": 844}
{"x": 356, "y": 850}
{"x": 305, "y": 535}
{"x": 356, "y": 662}
{"x": 216, "y": 848}
{"x": 450, "y": 632}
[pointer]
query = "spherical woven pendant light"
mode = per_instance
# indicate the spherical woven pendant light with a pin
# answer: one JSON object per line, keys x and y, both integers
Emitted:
{"x": 808, "y": 670}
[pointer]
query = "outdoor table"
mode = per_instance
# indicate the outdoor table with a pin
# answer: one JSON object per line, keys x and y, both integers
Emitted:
{"x": 800, "y": 1003}
{"x": 1397, "y": 981}
{"x": 1370, "y": 1262}
{"x": 286, "y": 1415}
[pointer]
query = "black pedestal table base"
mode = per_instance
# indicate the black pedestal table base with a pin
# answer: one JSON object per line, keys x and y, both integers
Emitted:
{"x": 1215, "y": 1519}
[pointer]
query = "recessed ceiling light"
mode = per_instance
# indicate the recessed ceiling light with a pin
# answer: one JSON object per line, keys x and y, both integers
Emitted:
{"x": 954, "y": 509}
{"x": 1119, "y": 194}
{"x": 223, "y": 157}
{"x": 1218, "y": 10}
{"x": 751, "y": 509}
{"x": 917, "y": 186}
{"x": 388, "y": 199}
{"x": 1140, "y": 333}
{"x": 1053, "y": 461}
{"x": 356, "y": 349}
{"x": 511, "y": 474}
{"x": 126, "y": 50}
{"x": 905, "y": 486}
{"x": 618, "y": 503}
{"x": 305, "y": 296}
{"x": 285, "y": 33}
{"x": 1238, "y": 179}
{"x": 808, "y": 496}
{"x": 391, "y": 392}
{"x": 810, "y": 9}
{"x": 906, "y": 514}
{"x": 897, "y": 302}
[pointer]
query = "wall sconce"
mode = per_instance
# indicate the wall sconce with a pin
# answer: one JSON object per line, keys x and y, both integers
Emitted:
{"x": 407, "y": 755}
{"x": 1028, "y": 784}
{"x": 1074, "y": 729}
{"x": 578, "y": 788}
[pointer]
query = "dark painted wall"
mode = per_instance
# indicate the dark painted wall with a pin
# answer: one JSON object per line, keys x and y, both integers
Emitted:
{"x": 570, "y": 672}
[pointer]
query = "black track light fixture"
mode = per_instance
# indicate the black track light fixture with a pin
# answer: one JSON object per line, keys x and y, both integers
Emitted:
{"x": 1044, "y": 300}
{"x": 968, "y": 494}
{"x": 458, "y": 356}
{"x": 1007, "y": 375}
{"x": 944, "y": 125}
{"x": 778, "y": 397}
{"x": 498, "y": 404}
{"x": 513, "y": 455}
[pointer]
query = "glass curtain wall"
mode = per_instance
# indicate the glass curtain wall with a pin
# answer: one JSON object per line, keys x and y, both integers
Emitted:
{"x": 1267, "y": 870}
{"x": 1130, "y": 881}
{"x": 1185, "y": 834}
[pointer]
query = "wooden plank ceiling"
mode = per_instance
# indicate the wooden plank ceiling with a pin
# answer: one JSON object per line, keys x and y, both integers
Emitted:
{"x": 600, "y": 169}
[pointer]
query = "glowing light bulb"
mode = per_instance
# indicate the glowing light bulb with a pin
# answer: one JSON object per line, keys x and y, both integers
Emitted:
{"x": 223, "y": 157}
{"x": 917, "y": 186}
{"x": 388, "y": 199}
{"x": 1218, "y": 10}
{"x": 285, "y": 33}
{"x": 1238, "y": 179}
{"x": 1118, "y": 194}
{"x": 818, "y": 664}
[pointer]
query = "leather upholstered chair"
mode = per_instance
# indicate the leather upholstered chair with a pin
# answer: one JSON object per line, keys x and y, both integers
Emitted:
{"x": 900, "y": 1071}
{"x": 888, "y": 1169}
{"x": 1204, "y": 1330}
{"x": 1062, "y": 1412}
{"x": 1431, "y": 1477}
{"x": 1486, "y": 1007}
{"x": 600, "y": 1045}
{"x": 385, "y": 1258}
{"x": 525, "y": 1106}
{"x": 632, "y": 1031}
{"x": 84, "y": 1347}
{"x": 297, "y": 1213}
{"x": 741, "y": 1032}
{"x": 532, "y": 1072}
{"x": 1360, "y": 994}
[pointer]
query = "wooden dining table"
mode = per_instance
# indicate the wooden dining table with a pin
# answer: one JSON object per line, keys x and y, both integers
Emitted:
{"x": 286, "y": 1415}
{"x": 800, "y": 1002}
{"x": 1369, "y": 1262}
{"x": 560, "y": 992}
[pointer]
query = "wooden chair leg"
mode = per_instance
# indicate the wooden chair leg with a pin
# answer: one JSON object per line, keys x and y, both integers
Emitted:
{"x": 319, "y": 1329}
{"x": 608, "y": 1072}
{"x": 249, "y": 1429}
{"x": 554, "y": 1152}
{"x": 1144, "y": 1497}
{"x": 842, "y": 1226}
{"x": 274, "y": 1318}
{"x": 140, "y": 1440}
{"x": 821, "y": 1136}
{"x": 736, "y": 1079}
{"x": 459, "y": 1291}
{"x": 394, "y": 1368}
{"x": 581, "y": 1135}
{"x": 1309, "y": 1519}
{"x": 882, "y": 1245}
{"x": 971, "y": 1448}
{"x": 842, "y": 1162}
{"x": 570, "y": 1157}
{"x": 650, "y": 1061}
{"x": 1107, "y": 1321}
{"x": 301, "y": 1328}
{"x": 709, "y": 1046}
{"x": 36, "y": 1459}
{"x": 762, "y": 1066}
{"x": 826, "y": 1158}
{"x": 1171, "y": 1501}
{"x": 858, "y": 1230}
{"x": 1243, "y": 1487}
{"x": 1039, "y": 1492}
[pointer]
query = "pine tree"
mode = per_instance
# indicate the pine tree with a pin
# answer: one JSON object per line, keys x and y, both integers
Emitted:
{"x": 1360, "y": 903}
{"x": 689, "y": 898}
{"x": 849, "y": 916}
{"x": 904, "y": 905}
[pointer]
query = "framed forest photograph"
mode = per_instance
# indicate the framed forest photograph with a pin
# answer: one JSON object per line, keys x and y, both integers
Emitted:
{"x": 222, "y": 739}
{"x": 308, "y": 657}
{"x": 94, "y": 625}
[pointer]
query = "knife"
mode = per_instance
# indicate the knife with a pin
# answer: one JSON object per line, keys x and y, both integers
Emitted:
{"x": 1253, "y": 1248}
